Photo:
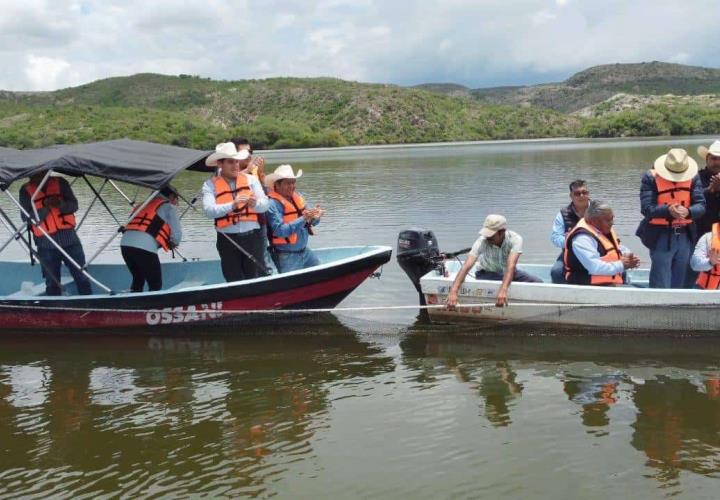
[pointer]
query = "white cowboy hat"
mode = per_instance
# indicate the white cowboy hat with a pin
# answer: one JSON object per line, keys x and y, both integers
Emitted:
{"x": 676, "y": 166}
{"x": 226, "y": 150}
{"x": 282, "y": 172}
{"x": 714, "y": 150}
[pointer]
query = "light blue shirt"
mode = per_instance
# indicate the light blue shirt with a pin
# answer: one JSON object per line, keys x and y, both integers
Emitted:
{"x": 557, "y": 237}
{"x": 144, "y": 241}
{"x": 281, "y": 230}
{"x": 586, "y": 250}
{"x": 700, "y": 261}
{"x": 213, "y": 210}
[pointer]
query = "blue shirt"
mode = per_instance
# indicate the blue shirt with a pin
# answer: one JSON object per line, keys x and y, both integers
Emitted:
{"x": 144, "y": 241}
{"x": 214, "y": 210}
{"x": 279, "y": 229}
{"x": 586, "y": 250}
{"x": 557, "y": 237}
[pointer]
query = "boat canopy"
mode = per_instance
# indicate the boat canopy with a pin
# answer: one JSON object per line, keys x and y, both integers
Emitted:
{"x": 136, "y": 162}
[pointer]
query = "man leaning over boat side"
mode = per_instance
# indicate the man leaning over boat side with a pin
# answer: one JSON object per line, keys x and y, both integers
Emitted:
{"x": 157, "y": 225}
{"x": 56, "y": 205}
{"x": 593, "y": 254}
{"x": 565, "y": 220}
{"x": 671, "y": 199}
{"x": 496, "y": 253}
{"x": 290, "y": 222}
{"x": 234, "y": 200}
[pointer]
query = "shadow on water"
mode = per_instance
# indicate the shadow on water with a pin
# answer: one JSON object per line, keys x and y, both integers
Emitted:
{"x": 670, "y": 386}
{"x": 217, "y": 414}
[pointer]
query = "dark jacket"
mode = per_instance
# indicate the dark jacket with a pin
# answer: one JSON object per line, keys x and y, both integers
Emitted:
{"x": 712, "y": 205}
{"x": 650, "y": 234}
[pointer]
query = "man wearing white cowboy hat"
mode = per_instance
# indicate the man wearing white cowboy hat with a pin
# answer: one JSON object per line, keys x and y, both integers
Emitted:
{"x": 233, "y": 200}
{"x": 671, "y": 199}
{"x": 290, "y": 221}
{"x": 710, "y": 179}
{"x": 496, "y": 253}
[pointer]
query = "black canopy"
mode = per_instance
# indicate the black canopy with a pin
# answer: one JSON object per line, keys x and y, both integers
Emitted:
{"x": 137, "y": 162}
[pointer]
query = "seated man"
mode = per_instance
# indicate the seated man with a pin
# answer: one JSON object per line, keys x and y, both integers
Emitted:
{"x": 593, "y": 254}
{"x": 496, "y": 252}
{"x": 706, "y": 260}
{"x": 157, "y": 225}
{"x": 565, "y": 221}
{"x": 290, "y": 222}
{"x": 56, "y": 205}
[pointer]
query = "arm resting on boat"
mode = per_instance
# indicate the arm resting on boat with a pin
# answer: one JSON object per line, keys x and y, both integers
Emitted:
{"x": 501, "y": 299}
{"x": 452, "y": 297}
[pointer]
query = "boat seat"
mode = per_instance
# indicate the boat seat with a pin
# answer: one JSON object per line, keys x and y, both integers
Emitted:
{"x": 29, "y": 288}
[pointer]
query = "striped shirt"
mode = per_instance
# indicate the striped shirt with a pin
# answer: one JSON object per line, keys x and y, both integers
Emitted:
{"x": 492, "y": 258}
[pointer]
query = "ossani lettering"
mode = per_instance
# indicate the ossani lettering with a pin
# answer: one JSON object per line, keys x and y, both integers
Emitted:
{"x": 184, "y": 314}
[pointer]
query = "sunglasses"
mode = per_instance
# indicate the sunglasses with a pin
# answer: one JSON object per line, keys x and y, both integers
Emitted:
{"x": 581, "y": 193}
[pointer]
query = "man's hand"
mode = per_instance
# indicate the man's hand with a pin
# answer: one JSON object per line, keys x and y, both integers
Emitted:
{"x": 501, "y": 299}
{"x": 714, "y": 186}
{"x": 678, "y": 211}
{"x": 243, "y": 199}
{"x": 629, "y": 261}
{"x": 714, "y": 256}
{"x": 452, "y": 300}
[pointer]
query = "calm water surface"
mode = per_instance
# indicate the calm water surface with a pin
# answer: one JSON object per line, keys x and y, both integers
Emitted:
{"x": 382, "y": 404}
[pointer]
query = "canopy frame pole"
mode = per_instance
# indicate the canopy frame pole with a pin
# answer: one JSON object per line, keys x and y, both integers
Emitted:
{"x": 8, "y": 223}
{"x": 121, "y": 229}
{"x": 100, "y": 198}
{"x": 46, "y": 177}
{"x": 190, "y": 204}
{"x": 130, "y": 202}
{"x": 92, "y": 203}
{"x": 57, "y": 245}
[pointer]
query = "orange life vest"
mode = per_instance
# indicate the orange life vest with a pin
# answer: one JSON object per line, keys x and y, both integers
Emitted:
{"x": 609, "y": 249}
{"x": 671, "y": 193}
{"x": 54, "y": 221}
{"x": 710, "y": 280}
{"x": 223, "y": 194}
{"x": 148, "y": 221}
{"x": 292, "y": 210}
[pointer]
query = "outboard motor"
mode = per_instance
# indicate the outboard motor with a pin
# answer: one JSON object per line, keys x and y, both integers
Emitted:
{"x": 418, "y": 253}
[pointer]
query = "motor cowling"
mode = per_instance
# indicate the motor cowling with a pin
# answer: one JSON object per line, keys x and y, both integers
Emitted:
{"x": 417, "y": 254}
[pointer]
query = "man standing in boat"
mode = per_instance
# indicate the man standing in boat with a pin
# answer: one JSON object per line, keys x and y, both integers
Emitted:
{"x": 55, "y": 206}
{"x": 710, "y": 179}
{"x": 593, "y": 254}
{"x": 290, "y": 221}
{"x": 671, "y": 199}
{"x": 234, "y": 200}
{"x": 496, "y": 253}
{"x": 566, "y": 219}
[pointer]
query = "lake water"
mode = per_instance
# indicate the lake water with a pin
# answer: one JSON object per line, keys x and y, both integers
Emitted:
{"x": 380, "y": 404}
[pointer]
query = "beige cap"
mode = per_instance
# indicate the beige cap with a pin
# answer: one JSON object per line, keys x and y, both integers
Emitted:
{"x": 493, "y": 224}
{"x": 714, "y": 150}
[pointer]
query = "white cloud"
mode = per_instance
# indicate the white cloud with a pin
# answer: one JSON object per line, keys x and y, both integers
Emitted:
{"x": 414, "y": 41}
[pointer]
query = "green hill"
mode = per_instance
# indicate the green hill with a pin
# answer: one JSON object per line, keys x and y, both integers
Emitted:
{"x": 605, "y": 101}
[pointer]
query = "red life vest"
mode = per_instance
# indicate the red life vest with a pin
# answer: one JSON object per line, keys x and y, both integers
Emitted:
{"x": 671, "y": 193}
{"x": 148, "y": 221}
{"x": 223, "y": 194}
{"x": 608, "y": 247}
{"x": 710, "y": 280}
{"x": 292, "y": 210}
{"x": 54, "y": 221}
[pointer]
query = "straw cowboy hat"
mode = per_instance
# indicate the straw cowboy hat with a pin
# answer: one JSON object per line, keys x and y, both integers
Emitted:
{"x": 224, "y": 151}
{"x": 714, "y": 150}
{"x": 280, "y": 173}
{"x": 676, "y": 166}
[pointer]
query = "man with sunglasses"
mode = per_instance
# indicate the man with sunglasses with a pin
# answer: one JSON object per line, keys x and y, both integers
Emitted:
{"x": 566, "y": 219}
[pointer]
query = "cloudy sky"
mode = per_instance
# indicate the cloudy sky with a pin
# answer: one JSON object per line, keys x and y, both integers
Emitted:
{"x": 50, "y": 44}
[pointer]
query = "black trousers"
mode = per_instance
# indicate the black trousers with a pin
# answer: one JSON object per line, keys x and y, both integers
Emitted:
{"x": 144, "y": 266}
{"x": 235, "y": 264}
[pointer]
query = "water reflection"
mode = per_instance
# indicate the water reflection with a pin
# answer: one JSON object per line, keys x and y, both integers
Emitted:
{"x": 218, "y": 416}
{"x": 660, "y": 395}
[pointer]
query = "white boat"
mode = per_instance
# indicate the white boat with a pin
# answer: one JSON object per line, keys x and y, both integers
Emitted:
{"x": 633, "y": 307}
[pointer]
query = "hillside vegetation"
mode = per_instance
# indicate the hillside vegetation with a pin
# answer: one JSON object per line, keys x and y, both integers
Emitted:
{"x": 605, "y": 101}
